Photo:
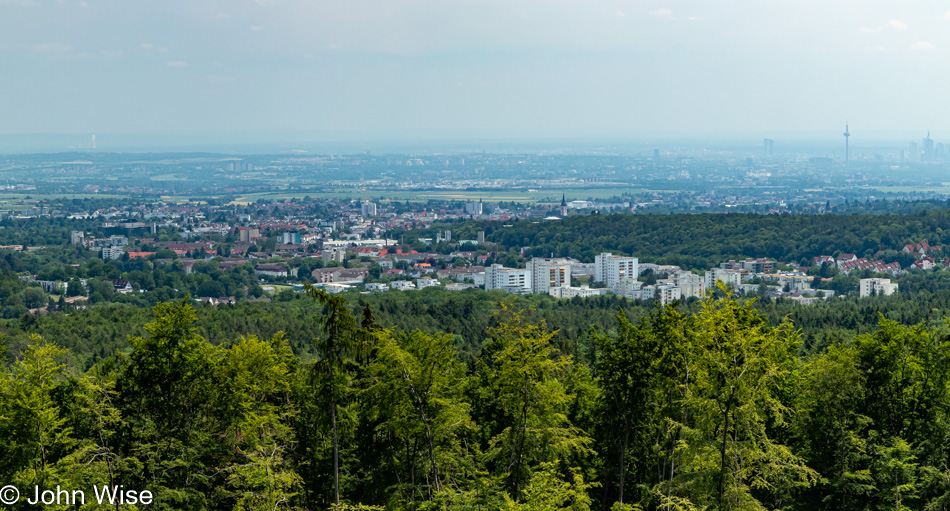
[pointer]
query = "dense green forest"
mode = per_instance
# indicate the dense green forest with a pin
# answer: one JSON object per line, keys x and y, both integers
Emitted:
{"x": 99, "y": 331}
{"x": 458, "y": 402}
{"x": 705, "y": 240}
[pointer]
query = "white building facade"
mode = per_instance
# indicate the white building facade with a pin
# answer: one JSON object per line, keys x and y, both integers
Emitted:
{"x": 511, "y": 280}
{"x": 571, "y": 292}
{"x": 877, "y": 287}
{"x": 609, "y": 268}
{"x": 667, "y": 294}
{"x": 690, "y": 284}
{"x": 549, "y": 273}
{"x": 731, "y": 278}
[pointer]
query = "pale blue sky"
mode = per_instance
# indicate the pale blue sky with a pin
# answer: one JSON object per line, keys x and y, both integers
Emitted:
{"x": 486, "y": 68}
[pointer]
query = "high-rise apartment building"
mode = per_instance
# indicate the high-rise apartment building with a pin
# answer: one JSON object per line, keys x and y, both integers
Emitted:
{"x": 511, "y": 280}
{"x": 548, "y": 273}
{"x": 474, "y": 208}
{"x": 368, "y": 209}
{"x": 609, "y": 268}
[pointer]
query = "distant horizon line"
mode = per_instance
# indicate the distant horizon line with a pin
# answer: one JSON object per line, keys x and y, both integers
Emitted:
{"x": 357, "y": 136}
{"x": 275, "y": 142}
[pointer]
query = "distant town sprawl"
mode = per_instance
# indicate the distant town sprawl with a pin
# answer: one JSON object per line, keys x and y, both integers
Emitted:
{"x": 779, "y": 177}
{"x": 226, "y": 252}
{"x": 145, "y": 228}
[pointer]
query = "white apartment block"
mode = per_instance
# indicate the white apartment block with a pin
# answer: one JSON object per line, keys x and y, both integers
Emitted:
{"x": 421, "y": 283}
{"x": 665, "y": 291}
{"x": 631, "y": 288}
{"x": 401, "y": 285}
{"x": 610, "y": 269}
{"x": 377, "y": 287}
{"x": 112, "y": 252}
{"x": 731, "y": 278}
{"x": 659, "y": 268}
{"x": 571, "y": 292}
{"x": 511, "y": 280}
{"x": 333, "y": 254}
{"x": 368, "y": 209}
{"x": 667, "y": 294}
{"x": 690, "y": 284}
{"x": 645, "y": 293}
{"x": 474, "y": 208}
{"x": 578, "y": 268}
{"x": 877, "y": 287}
{"x": 549, "y": 273}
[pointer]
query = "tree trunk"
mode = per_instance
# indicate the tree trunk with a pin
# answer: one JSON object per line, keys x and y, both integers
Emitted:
{"x": 421, "y": 406}
{"x": 722, "y": 455}
{"x": 623, "y": 455}
{"x": 518, "y": 452}
{"x": 336, "y": 451}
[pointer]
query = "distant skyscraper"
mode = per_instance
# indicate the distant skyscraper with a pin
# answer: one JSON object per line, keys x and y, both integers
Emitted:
{"x": 928, "y": 148}
{"x": 93, "y": 141}
{"x": 767, "y": 146}
{"x": 368, "y": 209}
{"x": 474, "y": 208}
{"x": 913, "y": 154}
{"x": 847, "y": 150}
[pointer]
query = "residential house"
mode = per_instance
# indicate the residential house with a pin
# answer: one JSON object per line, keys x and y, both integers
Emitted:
{"x": 121, "y": 286}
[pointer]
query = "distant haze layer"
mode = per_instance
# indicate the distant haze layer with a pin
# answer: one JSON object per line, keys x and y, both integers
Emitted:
{"x": 270, "y": 70}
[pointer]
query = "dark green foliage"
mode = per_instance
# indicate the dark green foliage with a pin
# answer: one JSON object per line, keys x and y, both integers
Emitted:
{"x": 705, "y": 240}
{"x": 446, "y": 403}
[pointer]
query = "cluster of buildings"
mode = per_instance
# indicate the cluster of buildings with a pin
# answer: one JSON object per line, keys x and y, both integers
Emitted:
{"x": 110, "y": 248}
{"x": 923, "y": 253}
{"x": 846, "y": 263}
{"x": 354, "y": 238}
{"x": 623, "y": 275}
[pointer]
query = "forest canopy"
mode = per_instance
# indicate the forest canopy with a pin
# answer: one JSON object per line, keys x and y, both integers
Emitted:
{"x": 704, "y": 240}
{"x": 707, "y": 407}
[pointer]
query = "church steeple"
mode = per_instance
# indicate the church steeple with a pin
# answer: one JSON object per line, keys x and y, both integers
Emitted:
{"x": 563, "y": 205}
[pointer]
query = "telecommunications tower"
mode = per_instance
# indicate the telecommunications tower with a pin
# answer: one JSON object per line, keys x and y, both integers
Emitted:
{"x": 847, "y": 135}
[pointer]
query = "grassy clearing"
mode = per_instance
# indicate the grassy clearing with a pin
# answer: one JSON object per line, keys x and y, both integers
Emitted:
{"x": 167, "y": 177}
{"x": 534, "y": 196}
{"x": 277, "y": 288}
{"x": 19, "y": 196}
{"x": 909, "y": 189}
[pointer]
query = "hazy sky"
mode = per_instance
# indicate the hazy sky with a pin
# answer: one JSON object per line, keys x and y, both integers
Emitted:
{"x": 485, "y": 68}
